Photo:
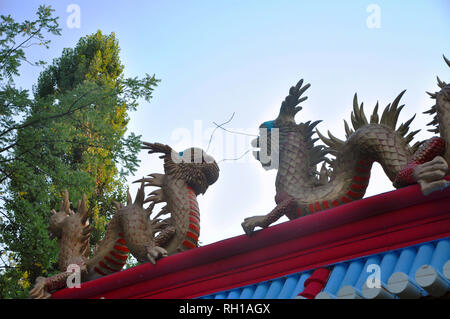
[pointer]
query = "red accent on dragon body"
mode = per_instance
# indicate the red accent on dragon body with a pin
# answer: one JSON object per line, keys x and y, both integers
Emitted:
{"x": 194, "y": 228}
{"x": 98, "y": 271}
{"x": 361, "y": 178}
{"x": 118, "y": 256}
{"x": 359, "y": 187}
{"x": 355, "y": 195}
{"x": 194, "y": 220}
{"x": 103, "y": 265}
{"x": 427, "y": 152}
{"x": 191, "y": 237}
{"x": 345, "y": 199}
{"x": 189, "y": 244}
{"x": 317, "y": 204}
{"x": 121, "y": 248}
{"x": 121, "y": 241}
{"x": 112, "y": 261}
{"x": 195, "y": 214}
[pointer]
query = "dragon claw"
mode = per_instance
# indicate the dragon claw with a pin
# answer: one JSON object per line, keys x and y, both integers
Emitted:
{"x": 250, "y": 223}
{"x": 39, "y": 290}
{"x": 152, "y": 180}
{"x": 156, "y": 253}
{"x": 156, "y": 148}
{"x": 430, "y": 175}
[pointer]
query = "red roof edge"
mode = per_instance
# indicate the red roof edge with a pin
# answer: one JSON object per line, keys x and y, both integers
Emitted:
{"x": 372, "y": 225}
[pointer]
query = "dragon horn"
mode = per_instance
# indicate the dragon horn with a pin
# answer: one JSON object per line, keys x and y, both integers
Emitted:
{"x": 140, "y": 196}
{"x": 440, "y": 83}
{"x": 432, "y": 95}
{"x": 289, "y": 106}
{"x": 82, "y": 210}
{"x": 374, "y": 117}
{"x": 129, "y": 200}
{"x": 446, "y": 60}
{"x": 65, "y": 204}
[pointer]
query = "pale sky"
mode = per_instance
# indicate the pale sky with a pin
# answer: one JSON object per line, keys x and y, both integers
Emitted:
{"x": 216, "y": 58}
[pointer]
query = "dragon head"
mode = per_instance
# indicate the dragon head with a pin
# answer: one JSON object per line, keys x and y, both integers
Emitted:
{"x": 198, "y": 169}
{"x": 66, "y": 222}
{"x": 272, "y": 133}
{"x": 442, "y": 98}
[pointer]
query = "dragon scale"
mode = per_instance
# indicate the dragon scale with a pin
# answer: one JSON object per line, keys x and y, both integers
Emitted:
{"x": 184, "y": 228}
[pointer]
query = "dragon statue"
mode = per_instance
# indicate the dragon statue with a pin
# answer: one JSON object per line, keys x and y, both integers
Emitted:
{"x": 301, "y": 190}
{"x": 131, "y": 230}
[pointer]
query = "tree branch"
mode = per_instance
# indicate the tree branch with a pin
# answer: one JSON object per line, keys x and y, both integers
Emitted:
{"x": 8, "y": 53}
{"x": 33, "y": 122}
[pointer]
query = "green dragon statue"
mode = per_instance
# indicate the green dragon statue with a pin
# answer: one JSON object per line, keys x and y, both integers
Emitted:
{"x": 187, "y": 174}
{"x": 301, "y": 190}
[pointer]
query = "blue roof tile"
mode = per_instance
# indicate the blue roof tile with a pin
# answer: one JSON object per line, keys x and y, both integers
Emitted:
{"x": 234, "y": 294}
{"x": 441, "y": 254}
{"x": 336, "y": 278}
{"x": 301, "y": 283}
{"x": 352, "y": 273}
{"x": 387, "y": 266}
{"x": 423, "y": 257}
{"x": 405, "y": 260}
{"x": 247, "y": 292}
{"x": 364, "y": 273}
{"x": 261, "y": 290}
{"x": 275, "y": 288}
{"x": 287, "y": 292}
{"x": 221, "y": 295}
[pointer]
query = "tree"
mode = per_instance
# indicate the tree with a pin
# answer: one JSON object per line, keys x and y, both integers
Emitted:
{"x": 15, "y": 38}
{"x": 73, "y": 136}
{"x": 14, "y": 102}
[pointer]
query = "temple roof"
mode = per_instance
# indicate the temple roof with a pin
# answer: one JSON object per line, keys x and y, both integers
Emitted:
{"x": 346, "y": 279}
{"x": 316, "y": 255}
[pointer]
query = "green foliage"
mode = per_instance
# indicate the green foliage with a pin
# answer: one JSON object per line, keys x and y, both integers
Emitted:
{"x": 15, "y": 37}
{"x": 15, "y": 103}
{"x": 70, "y": 135}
